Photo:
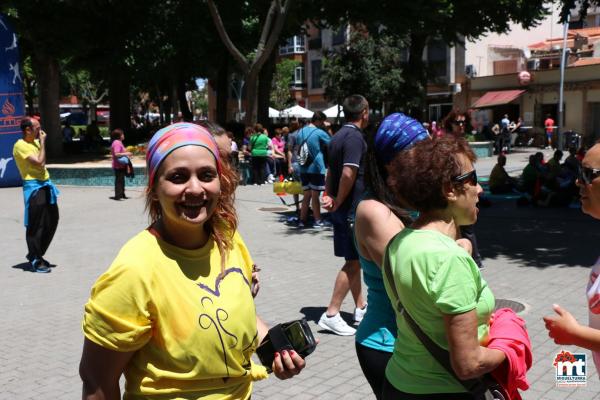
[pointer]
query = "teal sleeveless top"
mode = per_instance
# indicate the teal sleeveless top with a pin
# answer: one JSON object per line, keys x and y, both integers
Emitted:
{"x": 378, "y": 329}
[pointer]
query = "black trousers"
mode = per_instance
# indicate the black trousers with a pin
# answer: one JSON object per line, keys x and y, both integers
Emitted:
{"x": 259, "y": 165}
{"x": 120, "y": 183}
{"x": 43, "y": 220}
{"x": 391, "y": 393}
{"x": 373, "y": 363}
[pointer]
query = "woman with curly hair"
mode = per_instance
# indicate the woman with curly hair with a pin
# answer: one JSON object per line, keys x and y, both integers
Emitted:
{"x": 435, "y": 279}
{"x": 378, "y": 218}
{"x": 174, "y": 312}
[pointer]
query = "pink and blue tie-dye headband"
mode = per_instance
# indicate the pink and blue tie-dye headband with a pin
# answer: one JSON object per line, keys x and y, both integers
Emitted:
{"x": 173, "y": 137}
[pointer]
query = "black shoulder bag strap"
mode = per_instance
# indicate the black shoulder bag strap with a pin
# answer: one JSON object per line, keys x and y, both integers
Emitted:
{"x": 475, "y": 386}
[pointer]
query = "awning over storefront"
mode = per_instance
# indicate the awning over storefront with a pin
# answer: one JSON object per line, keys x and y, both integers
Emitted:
{"x": 497, "y": 98}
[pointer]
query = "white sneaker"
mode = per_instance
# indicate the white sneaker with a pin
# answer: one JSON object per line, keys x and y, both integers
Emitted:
{"x": 359, "y": 313}
{"x": 336, "y": 325}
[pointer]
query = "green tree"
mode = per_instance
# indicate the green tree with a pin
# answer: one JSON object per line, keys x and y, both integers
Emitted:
{"x": 42, "y": 28}
{"x": 280, "y": 91}
{"x": 368, "y": 64}
{"x": 90, "y": 91}
{"x": 451, "y": 21}
{"x": 272, "y": 25}
{"x": 200, "y": 101}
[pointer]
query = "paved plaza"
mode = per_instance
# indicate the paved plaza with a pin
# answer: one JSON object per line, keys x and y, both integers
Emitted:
{"x": 531, "y": 255}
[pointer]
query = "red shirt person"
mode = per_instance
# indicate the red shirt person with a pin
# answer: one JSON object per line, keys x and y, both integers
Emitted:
{"x": 549, "y": 126}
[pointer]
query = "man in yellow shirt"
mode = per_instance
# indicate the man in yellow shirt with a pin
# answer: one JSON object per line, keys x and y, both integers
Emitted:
{"x": 39, "y": 193}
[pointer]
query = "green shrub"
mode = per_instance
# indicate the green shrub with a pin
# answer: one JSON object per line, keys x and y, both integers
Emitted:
{"x": 80, "y": 130}
{"x": 477, "y": 137}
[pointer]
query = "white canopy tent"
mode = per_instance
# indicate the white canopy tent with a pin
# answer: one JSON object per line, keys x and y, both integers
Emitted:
{"x": 332, "y": 112}
{"x": 273, "y": 113}
{"x": 297, "y": 111}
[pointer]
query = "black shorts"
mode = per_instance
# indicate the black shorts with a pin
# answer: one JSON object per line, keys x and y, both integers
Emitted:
{"x": 313, "y": 181}
{"x": 343, "y": 237}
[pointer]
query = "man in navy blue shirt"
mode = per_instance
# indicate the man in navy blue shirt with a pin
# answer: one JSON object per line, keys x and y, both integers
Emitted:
{"x": 344, "y": 187}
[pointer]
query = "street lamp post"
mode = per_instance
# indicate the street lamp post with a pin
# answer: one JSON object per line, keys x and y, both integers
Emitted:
{"x": 561, "y": 112}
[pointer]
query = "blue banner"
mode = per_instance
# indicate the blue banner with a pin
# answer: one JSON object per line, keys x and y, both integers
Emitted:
{"x": 12, "y": 104}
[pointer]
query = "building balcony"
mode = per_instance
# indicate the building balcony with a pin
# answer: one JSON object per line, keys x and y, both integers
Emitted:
{"x": 298, "y": 85}
{"x": 286, "y": 50}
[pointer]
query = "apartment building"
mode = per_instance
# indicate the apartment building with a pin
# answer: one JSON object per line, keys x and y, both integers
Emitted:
{"x": 522, "y": 78}
{"x": 446, "y": 65}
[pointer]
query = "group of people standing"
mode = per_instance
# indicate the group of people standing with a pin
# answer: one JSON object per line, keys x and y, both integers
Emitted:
{"x": 265, "y": 155}
{"x": 175, "y": 313}
{"x": 418, "y": 269}
{"x": 505, "y": 134}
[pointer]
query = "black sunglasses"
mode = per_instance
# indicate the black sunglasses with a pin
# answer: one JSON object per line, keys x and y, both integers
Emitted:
{"x": 459, "y": 122}
{"x": 469, "y": 177}
{"x": 587, "y": 175}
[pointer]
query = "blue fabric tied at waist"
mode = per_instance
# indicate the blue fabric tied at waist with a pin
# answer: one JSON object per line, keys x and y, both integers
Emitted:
{"x": 30, "y": 188}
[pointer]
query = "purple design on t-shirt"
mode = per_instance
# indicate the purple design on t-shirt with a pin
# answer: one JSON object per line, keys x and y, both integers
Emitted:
{"x": 206, "y": 321}
{"x": 216, "y": 291}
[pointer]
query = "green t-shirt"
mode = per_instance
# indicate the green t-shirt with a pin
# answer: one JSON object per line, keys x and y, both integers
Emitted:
{"x": 259, "y": 145}
{"x": 433, "y": 276}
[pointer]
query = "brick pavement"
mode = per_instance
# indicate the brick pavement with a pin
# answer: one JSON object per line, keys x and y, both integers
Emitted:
{"x": 531, "y": 255}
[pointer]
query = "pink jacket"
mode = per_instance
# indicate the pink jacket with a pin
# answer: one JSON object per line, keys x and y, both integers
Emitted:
{"x": 509, "y": 334}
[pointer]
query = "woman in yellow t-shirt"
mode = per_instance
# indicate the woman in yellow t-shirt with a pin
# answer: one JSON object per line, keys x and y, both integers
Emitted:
{"x": 174, "y": 312}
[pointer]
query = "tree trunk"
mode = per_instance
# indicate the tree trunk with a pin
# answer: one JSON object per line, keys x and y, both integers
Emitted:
{"x": 168, "y": 108}
{"x": 29, "y": 96}
{"x": 118, "y": 95}
{"x": 251, "y": 90}
{"x": 415, "y": 75}
{"x": 93, "y": 113}
{"x": 222, "y": 89}
{"x": 265, "y": 83}
{"x": 183, "y": 104}
{"x": 47, "y": 70}
{"x": 161, "y": 108}
{"x": 174, "y": 98}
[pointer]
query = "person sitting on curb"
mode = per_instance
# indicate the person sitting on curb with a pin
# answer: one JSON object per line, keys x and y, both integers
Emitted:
{"x": 500, "y": 182}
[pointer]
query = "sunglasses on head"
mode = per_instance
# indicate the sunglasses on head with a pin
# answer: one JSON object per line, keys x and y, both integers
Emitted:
{"x": 469, "y": 177}
{"x": 587, "y": 175}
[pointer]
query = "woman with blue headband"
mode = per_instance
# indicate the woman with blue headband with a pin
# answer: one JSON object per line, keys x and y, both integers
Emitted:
{"x": 378, "y": 219}
{"x": 174, "y": 312}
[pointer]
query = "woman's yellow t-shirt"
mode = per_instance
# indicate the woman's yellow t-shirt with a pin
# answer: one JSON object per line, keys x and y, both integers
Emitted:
{"x": 193, "y": 330}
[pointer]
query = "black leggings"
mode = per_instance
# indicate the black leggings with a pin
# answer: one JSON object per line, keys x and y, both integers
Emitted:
{"x": 391, "y": 393}
{"x": 373, "y": 363}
